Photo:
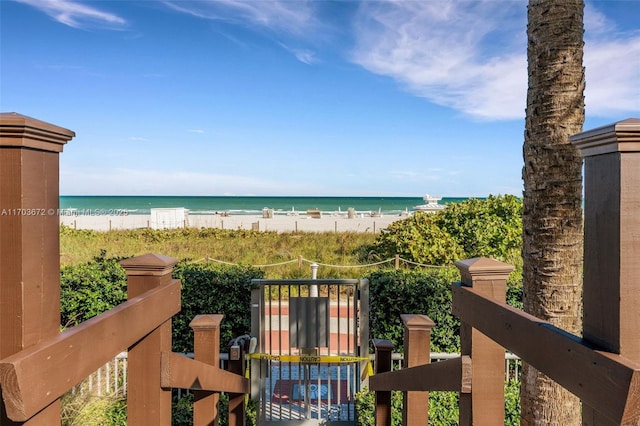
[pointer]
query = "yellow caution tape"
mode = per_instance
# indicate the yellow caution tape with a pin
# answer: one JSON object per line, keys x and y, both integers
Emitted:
{"x": 318, "y": 359}
{"x": 367, "y": 371}
{"x": 313, "y": 359}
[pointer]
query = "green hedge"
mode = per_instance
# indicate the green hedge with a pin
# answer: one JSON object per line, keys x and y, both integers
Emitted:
{"x": 473, "y": 228}
{"x": 416, "y": 291}
{"x": 443, "y": 407}
{"x": 90, "y": 288}
{"x": 214, "y": 289}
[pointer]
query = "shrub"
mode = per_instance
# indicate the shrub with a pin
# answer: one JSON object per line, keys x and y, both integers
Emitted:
{"x": 443, "y": 407}
{"x": 419, "y": 239}
{"x": 491, "y": 227}
{"x": 90, "y": 410}
{"x": 213, "y": 289}
{"x": 427, "y": 292}
{"x": 90, "y": 288}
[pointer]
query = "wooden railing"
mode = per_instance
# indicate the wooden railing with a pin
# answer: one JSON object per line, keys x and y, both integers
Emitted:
{"x": 602, "y": 368}
{"x": 38, "y": 363}
{"x": 143, "y": 326}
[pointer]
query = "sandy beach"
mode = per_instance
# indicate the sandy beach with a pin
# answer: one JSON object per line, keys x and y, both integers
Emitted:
{"x": 276, "y": 223}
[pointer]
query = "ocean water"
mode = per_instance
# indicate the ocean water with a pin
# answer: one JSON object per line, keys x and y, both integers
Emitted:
{"x": 245, "y": 205}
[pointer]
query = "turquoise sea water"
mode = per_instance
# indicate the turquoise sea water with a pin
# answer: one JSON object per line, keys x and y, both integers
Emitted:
{"x": 245, "y": 205}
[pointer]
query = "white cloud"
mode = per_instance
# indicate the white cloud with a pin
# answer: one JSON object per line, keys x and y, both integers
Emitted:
{"x": 441, "y": 51}
{"x": 293, "y": 17}
{"x": 612, "y": 67}
{"x": 612, "y": 75}
{"x": 471, "y": 56}
{"x": 76, "y": 14}
{"x": 305, "y": 56}
{"x": 198, "y": 131}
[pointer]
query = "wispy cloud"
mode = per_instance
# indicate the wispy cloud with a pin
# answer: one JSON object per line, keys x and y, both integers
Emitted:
{"x": 198, "y": 131}
{"x": 76, "y": 14}
{"x": 293, "y": 17}
{"x": 138, "y": 139}
{"x": 282, "y": 19}
{"x": 612, "y": 63}
{"x": 471, "y": 56}
{"x": 441, "y": 51}
{"x": 306, "y": 56}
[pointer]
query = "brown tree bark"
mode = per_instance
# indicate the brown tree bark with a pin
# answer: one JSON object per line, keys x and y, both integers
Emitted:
{"x": 552, "y": 174}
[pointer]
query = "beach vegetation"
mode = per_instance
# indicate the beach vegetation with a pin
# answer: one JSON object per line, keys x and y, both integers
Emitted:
{"x": 213, "y": 289}
{"x": 284, "y": 255}
{"x": 90, "y": 288}
{"x": 86, "y": 409}
{"x": 443, "y": 407}
{"x": 417, "y": 239}
{"x": 416, "y": 291}
{"x": 490, "y": 227}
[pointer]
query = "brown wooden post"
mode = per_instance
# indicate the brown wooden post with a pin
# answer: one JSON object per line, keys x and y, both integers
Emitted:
{"x": 485, "y": 404}
{"x": 206, "y": 346}
{"x": 612, "y": 241}
{"x": 382, "y": 363}
{"x": 236, "y": 400}
{"x": 417, "y": 351}
{"x": 147, "y": 402}
{"x": 29, "y": 239}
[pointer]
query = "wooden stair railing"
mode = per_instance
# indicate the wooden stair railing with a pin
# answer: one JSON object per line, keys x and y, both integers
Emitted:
{"x": 37, "y": 376}
{"x": 449, "y": 375}
{"x": 607, "y": 382}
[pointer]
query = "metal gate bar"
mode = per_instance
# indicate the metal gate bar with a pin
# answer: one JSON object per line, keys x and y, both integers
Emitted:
{"x": 299, "y": 385}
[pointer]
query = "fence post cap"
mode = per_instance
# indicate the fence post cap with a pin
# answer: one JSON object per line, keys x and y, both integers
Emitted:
{"x": 383, "y": 345}
{"x": 22, "y": 131}
{"x": 621, "y": 136}
{"x": 484, "y": 269}
{"x": 417, "y": 321}
{"x": 149, "y": 264}
{"x": 206, "y": 321}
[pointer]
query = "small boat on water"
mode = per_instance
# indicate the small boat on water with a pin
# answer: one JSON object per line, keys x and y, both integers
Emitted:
{"x": 431, "y": 204}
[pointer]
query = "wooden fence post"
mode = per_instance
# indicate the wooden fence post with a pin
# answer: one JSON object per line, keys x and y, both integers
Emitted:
{"x": 612, "y": 241}
{"x": 29, "y": 239}
{"x": 485, "y": 404}
{"x": 206, "y": 348}
{"x": 382, "y": 363}
{"x": 417, "y": 351}
{"x": 147, "y": 402}
{"x": 236, "y": 400}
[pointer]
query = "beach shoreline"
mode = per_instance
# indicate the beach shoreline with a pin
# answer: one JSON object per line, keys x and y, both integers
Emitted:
{"x": 275, "y": 223}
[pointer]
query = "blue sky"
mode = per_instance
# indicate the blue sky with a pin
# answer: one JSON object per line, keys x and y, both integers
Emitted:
{"x": 225, "y": 97}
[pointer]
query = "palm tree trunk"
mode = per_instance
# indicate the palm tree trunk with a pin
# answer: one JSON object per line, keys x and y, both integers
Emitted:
{"x": 552, "y": 174}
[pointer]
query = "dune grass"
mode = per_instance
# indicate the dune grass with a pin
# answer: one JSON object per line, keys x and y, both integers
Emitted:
{"x": 233, "y": 246}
